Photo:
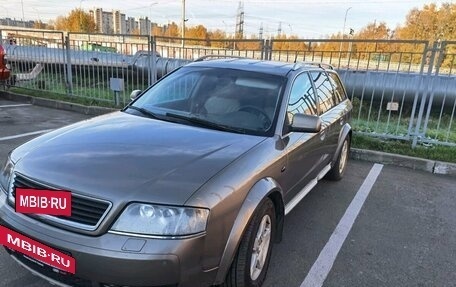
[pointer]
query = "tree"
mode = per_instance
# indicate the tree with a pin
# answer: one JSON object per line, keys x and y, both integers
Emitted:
{"x": 76, "y": 21}
{"x": 172, "y": 30}
{"x": 431, "y": 23}
{"x": 197, "y": 32}
{"x": 39, "y": 25}
{"x": 218, "y": 35}
{"x": 373, "y": 30}
{"x": 287, "y": 43}
{"x": 249, "y": 45}
{"x": 373, "y": 50}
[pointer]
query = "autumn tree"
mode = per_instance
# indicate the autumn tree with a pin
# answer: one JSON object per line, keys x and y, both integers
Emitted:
{"x": 372, "y": 50}
{"x": 39, "y": 25}
{"x": 216, "y": 38}
{"x": 197, "y": 32}
{"x": 253, "y": 44}
{"x": 76, "y": 21}
{"x": 135, "y": 31}
{"x": 328, "y": 48}
{"x": 431, "y": 23}
{"x": 286, "y": 42}
{"x": 170, "y": 30}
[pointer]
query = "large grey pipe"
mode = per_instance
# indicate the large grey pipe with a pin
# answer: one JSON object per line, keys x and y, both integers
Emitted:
{"x": 90, "y": 59}
{"x": 392, "y": 86}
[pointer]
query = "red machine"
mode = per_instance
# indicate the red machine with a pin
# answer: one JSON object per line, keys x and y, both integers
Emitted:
{"x": 5, "y": 73}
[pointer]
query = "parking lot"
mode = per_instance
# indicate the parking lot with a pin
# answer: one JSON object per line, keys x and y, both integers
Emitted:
{"x": 403, "y": 235}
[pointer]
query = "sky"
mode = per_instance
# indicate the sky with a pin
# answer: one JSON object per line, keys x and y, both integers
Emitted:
{"x": 304, "y": 18}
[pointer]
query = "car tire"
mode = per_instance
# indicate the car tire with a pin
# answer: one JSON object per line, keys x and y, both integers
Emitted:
{"x": 340, "y": 165}
{"x": 251, "y": 262}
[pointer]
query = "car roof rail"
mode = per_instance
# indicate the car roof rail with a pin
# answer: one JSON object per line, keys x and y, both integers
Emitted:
{"x": 215, "y": 56}
{"x": 318, "y": 64}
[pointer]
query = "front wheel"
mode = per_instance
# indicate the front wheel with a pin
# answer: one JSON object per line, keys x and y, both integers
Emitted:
{"x": 338, "y": 169}
{"x": 251, "y": 262}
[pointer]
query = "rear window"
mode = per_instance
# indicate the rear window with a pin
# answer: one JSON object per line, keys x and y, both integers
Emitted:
{"x": 339, "y": 91}
{"x": 324, "y": 89}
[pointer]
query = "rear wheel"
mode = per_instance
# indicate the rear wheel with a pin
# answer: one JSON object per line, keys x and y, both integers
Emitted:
{"x": 251, "y": 262}
{"x": 339, "y": 167}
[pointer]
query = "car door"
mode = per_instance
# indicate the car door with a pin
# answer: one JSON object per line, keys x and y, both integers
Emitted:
{"x": 340, "y": 113}
{"x": 304, "y": 150}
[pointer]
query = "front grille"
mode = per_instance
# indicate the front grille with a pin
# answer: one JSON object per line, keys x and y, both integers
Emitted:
{"x": 86, "y": 212}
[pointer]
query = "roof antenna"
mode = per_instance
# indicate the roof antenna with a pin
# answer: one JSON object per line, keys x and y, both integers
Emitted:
{"x": 296, "y": 57}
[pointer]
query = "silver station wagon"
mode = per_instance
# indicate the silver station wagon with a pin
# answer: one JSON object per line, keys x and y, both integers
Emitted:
{"x": 190, "y": 183}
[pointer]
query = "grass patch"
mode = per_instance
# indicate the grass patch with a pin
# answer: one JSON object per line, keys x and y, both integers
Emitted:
{"x": 61, "y": 97}
{"x": 94, "y": 85}
{"x": 369, "y": 117}
{"x": 433, "y": 152}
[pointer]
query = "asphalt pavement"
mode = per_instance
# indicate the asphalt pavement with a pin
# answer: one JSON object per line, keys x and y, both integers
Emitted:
{"x": 403, "y": 234}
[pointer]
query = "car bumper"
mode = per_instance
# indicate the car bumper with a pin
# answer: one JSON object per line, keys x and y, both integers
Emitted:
{"x": 113, "y": 259}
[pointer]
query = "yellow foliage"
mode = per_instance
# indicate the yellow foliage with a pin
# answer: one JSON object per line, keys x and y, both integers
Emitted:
{"x": 76, "y": 21}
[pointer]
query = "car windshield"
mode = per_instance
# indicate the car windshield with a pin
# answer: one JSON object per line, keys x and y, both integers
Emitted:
{"x": 225, "y": 99}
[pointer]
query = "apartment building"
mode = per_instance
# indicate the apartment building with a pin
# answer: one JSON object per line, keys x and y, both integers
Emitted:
{"x": 116, "y": 22}
{"x": 103, "y": 20}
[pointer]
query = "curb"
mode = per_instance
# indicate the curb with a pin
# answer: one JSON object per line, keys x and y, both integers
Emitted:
{"x": 432, "y": 166}
{"x": 78, "y": 108}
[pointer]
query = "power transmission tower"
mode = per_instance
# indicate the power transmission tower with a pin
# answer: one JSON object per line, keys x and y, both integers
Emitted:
{"x": 239, "y": 33}
{"x": 260, "y": 34}
{"x": 279, "y": 30}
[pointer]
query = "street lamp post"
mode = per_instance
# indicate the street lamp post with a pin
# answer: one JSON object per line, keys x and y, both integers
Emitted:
{"x": 343, "y": 31}
{"x": 183, "y": 24}
{"x": 150, "y": 17}
{"x": 23, "y": 17}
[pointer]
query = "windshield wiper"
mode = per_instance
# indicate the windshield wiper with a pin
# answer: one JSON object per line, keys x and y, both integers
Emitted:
{"x": 145, "y": 112}
{"x": 205, "y": 123}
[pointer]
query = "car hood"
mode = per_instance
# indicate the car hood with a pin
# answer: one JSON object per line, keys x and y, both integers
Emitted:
{"x": 122, "y": 157}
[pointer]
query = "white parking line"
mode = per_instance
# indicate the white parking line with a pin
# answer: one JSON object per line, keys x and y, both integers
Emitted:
{"x": 24, "y": 135}
{"x": 322, "y": 266}
{"x": 14, "y": 106}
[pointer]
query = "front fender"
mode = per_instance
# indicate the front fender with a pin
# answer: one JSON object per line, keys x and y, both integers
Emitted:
{"x": 262, "y": 189}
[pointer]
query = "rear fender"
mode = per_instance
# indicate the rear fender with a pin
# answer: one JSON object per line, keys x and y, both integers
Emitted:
{"x": 345, "y": 132}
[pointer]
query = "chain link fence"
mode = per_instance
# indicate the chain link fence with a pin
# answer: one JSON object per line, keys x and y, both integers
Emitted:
{"x": 400, "y": 89}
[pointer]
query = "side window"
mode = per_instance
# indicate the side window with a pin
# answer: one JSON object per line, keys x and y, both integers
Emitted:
{"x": 324, "y": 91}
{"x": 339, "y": 91}
{"x": 302, "y": 97}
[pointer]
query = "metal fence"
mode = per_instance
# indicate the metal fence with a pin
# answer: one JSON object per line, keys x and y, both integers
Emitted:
{"x": 191, "y": 49}
{"x": 400, "y": 89}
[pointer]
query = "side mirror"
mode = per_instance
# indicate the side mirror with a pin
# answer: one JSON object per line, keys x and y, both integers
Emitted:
{"x": 135, "y": 94}
{"x": 305, "y": 124}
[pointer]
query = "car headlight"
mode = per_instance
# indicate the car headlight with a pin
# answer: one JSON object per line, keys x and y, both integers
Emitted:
{"x": 6, "y": 175}
{"x": 161, "y": 220}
